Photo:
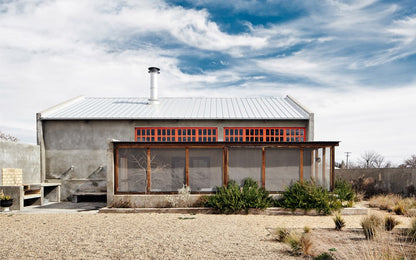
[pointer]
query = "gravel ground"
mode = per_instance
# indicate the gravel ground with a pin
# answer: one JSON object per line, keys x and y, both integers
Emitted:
{"x": 150, "y": 236}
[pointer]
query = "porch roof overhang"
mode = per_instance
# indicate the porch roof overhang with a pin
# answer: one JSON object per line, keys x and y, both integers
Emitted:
{"x": 314, "y": 144}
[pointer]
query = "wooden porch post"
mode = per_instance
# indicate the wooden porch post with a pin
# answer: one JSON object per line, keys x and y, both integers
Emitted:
{"x": 301, "y": 164}
{"x": 263, "y": 168}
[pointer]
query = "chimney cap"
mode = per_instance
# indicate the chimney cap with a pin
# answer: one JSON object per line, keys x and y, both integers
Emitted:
{"x": 154, "y": 69}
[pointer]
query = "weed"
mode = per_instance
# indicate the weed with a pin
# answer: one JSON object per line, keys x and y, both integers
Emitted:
{"x": 371, "y": 226}
{"x": 306, "y": 229}
{"x": 182, "y": 199}
{"x": 390, "y": 222}
{"x": 299, "y": 243}
{"x": 280, "y": 234}
{"x": 339, "y": 221}
{"x": 121, "y": 204}
{"x": 324, "y": 256}
{"x": 184, "y": 218}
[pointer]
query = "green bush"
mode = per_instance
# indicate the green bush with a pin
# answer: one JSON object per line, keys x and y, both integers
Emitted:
{"x": 344, "y": 191}
{"x": 307, "y": 195}
{"x": 232, "y": 198}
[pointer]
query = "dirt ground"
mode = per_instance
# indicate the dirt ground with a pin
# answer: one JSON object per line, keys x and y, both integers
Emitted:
{"x": 171, "y": 236}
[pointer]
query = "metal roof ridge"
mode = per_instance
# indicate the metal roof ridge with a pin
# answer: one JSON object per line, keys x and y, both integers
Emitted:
{"x": 296, "y": 102}
{"x": 61, "y": 105}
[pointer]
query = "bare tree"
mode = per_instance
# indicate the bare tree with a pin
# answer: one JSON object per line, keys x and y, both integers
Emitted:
{"x": 410, "y": 162}
{"x": 372, "y": 159}
{"x": 8, "y": 137}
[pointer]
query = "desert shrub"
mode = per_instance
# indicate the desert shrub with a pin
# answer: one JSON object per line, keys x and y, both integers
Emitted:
{"x": 232, "y": 198}
{"x": 253, "y": 196}
{"x": 339, "y": 221}
{"x": 390, "y": 222}
{"x": 227, "y": 198}
{"x": 344, "y": 191}
{"x": 306, "y": 229}
{"x": 371, "y": 226}
{"x": 307, "y": 195}
{"x": 367, "y": 186}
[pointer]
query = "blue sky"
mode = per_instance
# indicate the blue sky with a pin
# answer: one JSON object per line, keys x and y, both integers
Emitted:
{"x": 353, "y": 63}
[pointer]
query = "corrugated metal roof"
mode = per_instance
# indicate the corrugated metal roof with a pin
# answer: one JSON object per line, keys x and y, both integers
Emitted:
{"x": 203, "y": 108}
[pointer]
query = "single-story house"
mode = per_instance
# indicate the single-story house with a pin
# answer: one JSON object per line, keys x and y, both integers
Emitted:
{"x": 141, "y": 149}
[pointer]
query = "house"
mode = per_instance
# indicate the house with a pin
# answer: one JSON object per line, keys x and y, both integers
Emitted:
{"x": 141, "y": 149}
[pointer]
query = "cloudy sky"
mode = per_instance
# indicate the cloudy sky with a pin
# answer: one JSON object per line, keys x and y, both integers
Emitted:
{"x": 353, "y": 63}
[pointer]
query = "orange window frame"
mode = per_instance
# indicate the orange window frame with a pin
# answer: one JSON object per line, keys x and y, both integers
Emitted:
{"x": 264, "y": 134}
{"x": 176, "y": 134}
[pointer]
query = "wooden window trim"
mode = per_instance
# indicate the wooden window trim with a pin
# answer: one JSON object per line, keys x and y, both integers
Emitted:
{"x": 264, "y": 134}
{"x": 176, "y": 134}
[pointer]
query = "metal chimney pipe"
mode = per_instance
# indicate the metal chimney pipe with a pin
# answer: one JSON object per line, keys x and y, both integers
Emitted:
{"x": 153, "y": 85}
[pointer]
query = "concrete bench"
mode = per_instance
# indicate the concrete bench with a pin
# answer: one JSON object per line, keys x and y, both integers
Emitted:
{"x": 32, "y": 194}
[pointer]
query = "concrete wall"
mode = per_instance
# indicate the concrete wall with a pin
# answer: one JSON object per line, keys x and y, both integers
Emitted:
{"x": 21, "y": 156}
{"x": 74, "y": 151}
{"x": 394, "y": 180}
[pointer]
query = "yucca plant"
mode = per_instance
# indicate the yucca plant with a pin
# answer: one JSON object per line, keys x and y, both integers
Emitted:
{"x": 339, "y": 221}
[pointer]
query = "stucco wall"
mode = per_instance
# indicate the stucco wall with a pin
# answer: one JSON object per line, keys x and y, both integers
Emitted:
{"x": 21, "y": 156}
{"x": 75, "y": 151}
{"x": 395, "y": 180}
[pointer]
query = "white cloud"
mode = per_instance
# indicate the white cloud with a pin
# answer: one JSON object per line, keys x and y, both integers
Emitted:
{"x": 51, "y": 51}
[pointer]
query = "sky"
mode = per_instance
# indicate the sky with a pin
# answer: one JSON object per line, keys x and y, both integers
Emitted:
{"x": 353, "y": 63}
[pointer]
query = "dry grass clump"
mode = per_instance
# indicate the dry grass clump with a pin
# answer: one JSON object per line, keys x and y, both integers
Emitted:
{"x": 371, "y": 226}
{"x": 300, "y": 244}
{"x": 390, "y": 222}
{"x": 412, "y": 230}
{"x": 385, "y": 202}
{"x": 395, "y": 203}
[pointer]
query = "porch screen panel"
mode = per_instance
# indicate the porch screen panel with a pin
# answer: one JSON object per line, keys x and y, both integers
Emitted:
{"x": 318, "y": 166}
{"x": 282, "y": 168}
{"x": 205, "y": 169}
{"x": 132, "y": 165}
{"x": 243, "y": 163}
{"x": 307, "y": 164}
{"x": 167, "y": 169}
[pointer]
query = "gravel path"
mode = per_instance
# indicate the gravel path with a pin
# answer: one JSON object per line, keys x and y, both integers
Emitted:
{"x": 149, "y": 236}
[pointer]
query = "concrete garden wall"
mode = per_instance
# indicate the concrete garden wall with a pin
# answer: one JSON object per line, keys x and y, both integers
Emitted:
{"x": 21, "y": 156}
{"x": 394, "y": 180}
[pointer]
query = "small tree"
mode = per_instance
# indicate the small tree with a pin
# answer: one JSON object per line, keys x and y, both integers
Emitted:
{"x": 410, "y": 162}
{"x": 372, "y": 159}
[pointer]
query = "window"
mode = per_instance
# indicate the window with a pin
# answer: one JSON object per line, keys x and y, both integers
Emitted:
{"x": 176, "y": 134}
{"x": 264, "y": 134}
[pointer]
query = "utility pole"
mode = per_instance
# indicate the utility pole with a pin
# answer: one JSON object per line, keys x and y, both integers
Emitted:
{"x": 348, "y": 155}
